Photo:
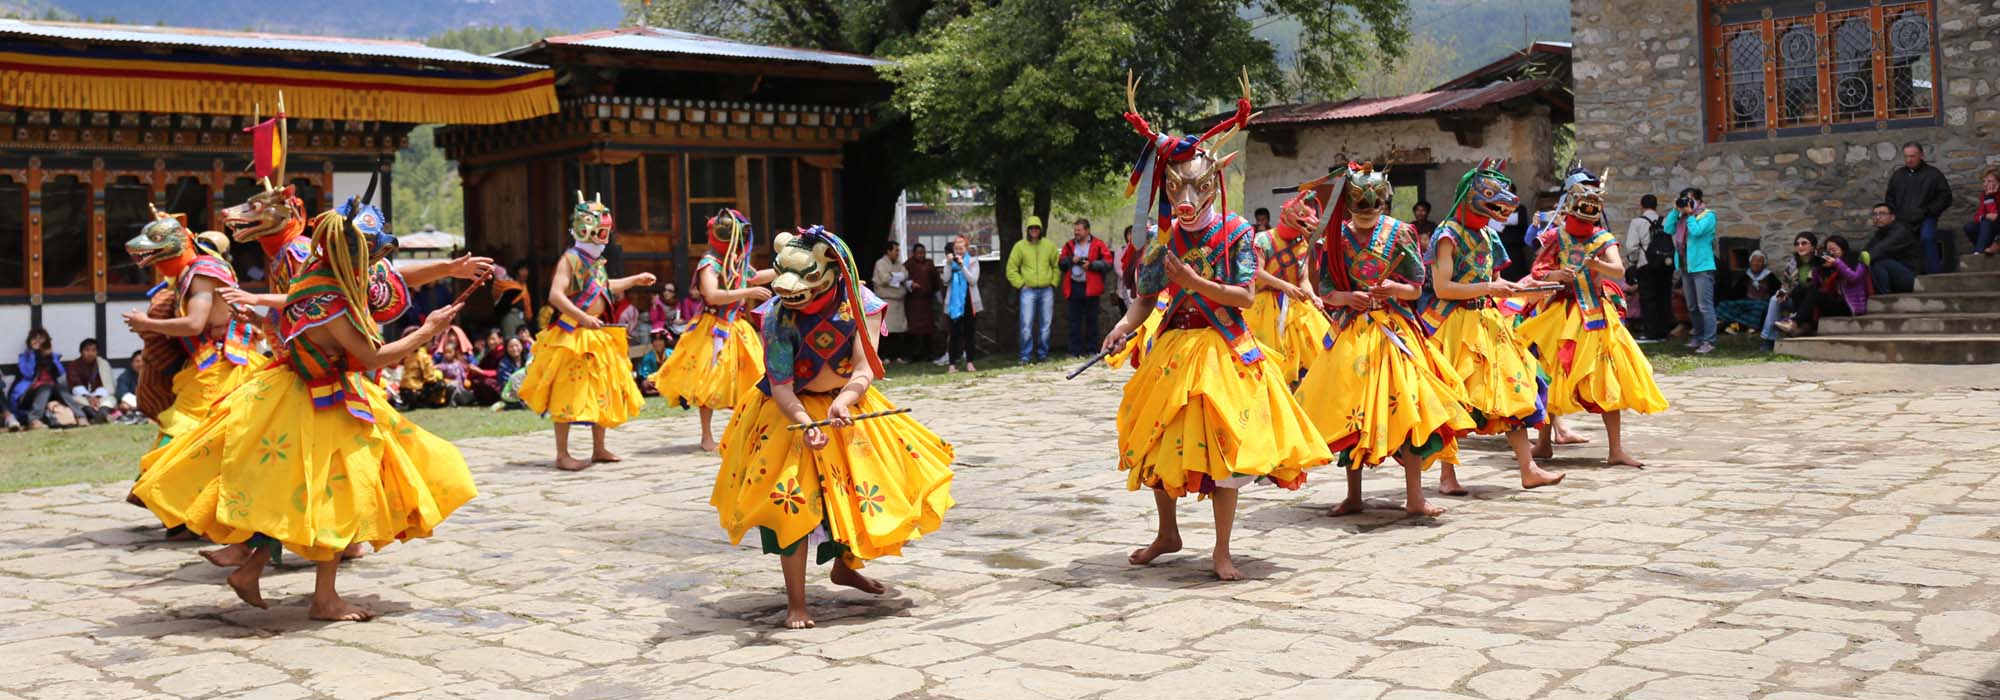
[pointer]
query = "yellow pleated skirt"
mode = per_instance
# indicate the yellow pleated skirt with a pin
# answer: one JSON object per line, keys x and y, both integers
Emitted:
{"x": 196, "y": 390}
{"x": 1503, "y": 387}
{"x": 1373, "y": 397}
{"x": 1295, "y": 331}
{"x": 708, "y": 370}
{"x": 316, "y": 480}
{"x": 1594, "y": 371}
{"x": 876, "y": 484}
{"x": 1134, "y": 350}
{"x": 582, "y": 376}
{"x": 1195, "y": 416}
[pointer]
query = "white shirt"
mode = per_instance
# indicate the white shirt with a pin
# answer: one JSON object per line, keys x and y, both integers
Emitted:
{"x": 1636, "y": 236}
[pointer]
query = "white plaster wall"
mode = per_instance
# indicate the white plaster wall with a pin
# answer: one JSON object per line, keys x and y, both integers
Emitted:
{"x": 120, "y": 342}
{"x": 1525, "y": 139}
{"x": 14, "y": 323}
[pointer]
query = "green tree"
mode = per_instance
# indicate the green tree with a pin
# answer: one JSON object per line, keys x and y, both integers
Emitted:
{"x": 424, "y": 184}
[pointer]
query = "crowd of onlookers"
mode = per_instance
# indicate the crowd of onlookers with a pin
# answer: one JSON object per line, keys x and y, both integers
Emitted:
{"x": 49, "y": 392}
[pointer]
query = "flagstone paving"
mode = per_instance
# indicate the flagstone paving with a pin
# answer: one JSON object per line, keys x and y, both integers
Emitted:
{"x": 1804, "y": 531}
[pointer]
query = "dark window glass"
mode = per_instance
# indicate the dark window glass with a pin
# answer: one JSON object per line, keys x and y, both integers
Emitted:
{"x": 712, "y": 177}
{"x": 625, "y": 215}
{"x": 65, "y": 232}
{"x": 13, "y": 234}
{"x": 125, "y": 212}
{"x": 248, "y": 257}
{"x": 784, "y": 194}
{"x": 660, "y": 193}
{"x": 812, "y": 205}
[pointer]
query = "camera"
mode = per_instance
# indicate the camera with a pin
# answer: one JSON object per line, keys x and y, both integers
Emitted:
{"x": 1684, "y": 202}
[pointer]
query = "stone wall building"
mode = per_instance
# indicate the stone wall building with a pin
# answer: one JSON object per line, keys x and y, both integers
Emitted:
{"x": 1789, "y": 114}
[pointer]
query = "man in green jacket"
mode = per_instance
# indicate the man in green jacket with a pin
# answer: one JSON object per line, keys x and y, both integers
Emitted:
{"x": 1031, "y": 267}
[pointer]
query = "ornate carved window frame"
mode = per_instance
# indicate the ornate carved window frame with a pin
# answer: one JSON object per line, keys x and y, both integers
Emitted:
{"x": 1782, "y": 68}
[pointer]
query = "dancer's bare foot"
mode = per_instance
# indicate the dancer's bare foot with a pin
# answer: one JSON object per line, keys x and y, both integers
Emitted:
{"x": 353, "y": 552}
{"x": 1160, "y": 546}
{"x": 1618, "y": 457}
{"x": 1448, "y": 483}
{"x": 228, "y": 557}
{"x": 798, "y": 619}
{"x": 604, "y": 455}
{"x": 1565, "y": 437}
{"x": 1537, "y": 477}
{"x": 708, "y": 445}
{"x": 571, "y": 464}
{"x": 1423, "y": 508}
{"x": 1543, "y": 450}
{"x": 843, "y": 576}
{"x": 1225, "y": 568}
{"x": 244, "y": 581}
{"x": 336, "y": 609}
{"x": 1347, "y": 507}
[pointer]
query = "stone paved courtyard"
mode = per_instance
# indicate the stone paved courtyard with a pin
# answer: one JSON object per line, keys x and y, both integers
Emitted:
{"x": 1805, "y": 531}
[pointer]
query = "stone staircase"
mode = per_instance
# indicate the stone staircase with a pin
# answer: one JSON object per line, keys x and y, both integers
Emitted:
{"x": 1951, "y": 319}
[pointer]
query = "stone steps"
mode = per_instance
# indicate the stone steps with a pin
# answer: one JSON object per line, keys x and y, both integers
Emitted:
{"x": 1958, "y": 349}
{"x": 1950, "y": 319}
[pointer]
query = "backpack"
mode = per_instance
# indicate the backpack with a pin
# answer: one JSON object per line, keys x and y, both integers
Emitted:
{"x": 1659, "y": 245}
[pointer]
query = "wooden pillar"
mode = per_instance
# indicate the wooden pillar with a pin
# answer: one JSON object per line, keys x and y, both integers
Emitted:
{"x": 98, "y": 261}
{"x": 34, "y": 185}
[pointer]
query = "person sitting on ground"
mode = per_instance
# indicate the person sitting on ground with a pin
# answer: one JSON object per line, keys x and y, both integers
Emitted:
{"x": 1840, "y": 288}
{"x": 650, "y": 362}
{"x": 1984, "y": 229}
{"x": 1798, "y": 286}
{"x": 127, "y": 391}
{"x": 1759, "y": 285}
{"x": 508, "y": 373}
{"x": 1894, "y": 252}
{"x": 526, "y": 335}
{"x": 42, "y": 385}
{"x": 89, "y": 382}
{"x": 460, "y": 376}
{"x": 422, "y": 384}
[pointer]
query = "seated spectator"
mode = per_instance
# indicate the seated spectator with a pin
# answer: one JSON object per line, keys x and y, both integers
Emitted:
{"x": 423, "y": 385}
{"x": 676, "y": 324}
{"x": 89, "y": 381}
{"x": 1740, "y": 315}
{"x": 8, "y": 420}
{"x": 1984, "y": 230}
{"x": 650, "y": 362}
{"x": 1799, "y": 285}
{"x": 461, "y": 377}
{"x": 643, "y": 314}
{"x": 510, "y": 391}
{"x": 127, "y": 392}
{"x": 1893, "y": 253}
{"x": 42, "y": 385}
{"x": 527, "y": 338}
{"x": 1841, "y": 283}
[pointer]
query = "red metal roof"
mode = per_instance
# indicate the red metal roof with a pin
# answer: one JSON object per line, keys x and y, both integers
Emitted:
{"x": 669, "y": 41}
{"x": 1417, "y": 104}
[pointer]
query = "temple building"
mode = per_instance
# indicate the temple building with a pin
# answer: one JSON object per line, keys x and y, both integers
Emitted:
{"x": 97, "y": 121}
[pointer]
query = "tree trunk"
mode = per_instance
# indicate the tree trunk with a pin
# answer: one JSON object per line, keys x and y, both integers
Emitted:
{"x": 1044, "y": 201}
{"x": 1007, "y": 221}
{"x": 1007, "y": 216}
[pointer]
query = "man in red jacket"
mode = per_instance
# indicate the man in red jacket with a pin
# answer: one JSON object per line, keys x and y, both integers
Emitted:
{"x": 1084, "y": 262}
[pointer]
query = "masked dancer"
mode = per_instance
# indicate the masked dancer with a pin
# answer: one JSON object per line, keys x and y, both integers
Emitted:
{"x": 721, "y": 357}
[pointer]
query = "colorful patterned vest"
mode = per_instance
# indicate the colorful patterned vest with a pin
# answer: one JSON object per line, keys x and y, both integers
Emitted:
{"x": 588, "y": 284}
{"x": 238, "y": 342}
{"x": 1384, "y": 253}
{"x": 1475, "y": 256}
{"x": 315, "y": 300}
{"x": 287, "y": 262}
{"x": 726, "y": 282}
{"x": 1286, "y": 259}
{"x": 1209, "y": 253}
{"x": 801, "y": 345}
{"x": 1572, "y": 254}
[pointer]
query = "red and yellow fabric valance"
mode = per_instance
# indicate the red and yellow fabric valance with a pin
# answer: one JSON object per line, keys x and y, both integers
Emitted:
{"x": 114, "y": 81}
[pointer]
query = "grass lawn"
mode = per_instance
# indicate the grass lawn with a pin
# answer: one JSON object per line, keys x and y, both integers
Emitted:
{"x": 1672, "y": 356}
{"x": 107, "y": 453}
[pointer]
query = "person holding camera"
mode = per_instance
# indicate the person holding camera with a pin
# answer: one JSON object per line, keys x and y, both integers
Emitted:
{"x": 1693, "y": 227}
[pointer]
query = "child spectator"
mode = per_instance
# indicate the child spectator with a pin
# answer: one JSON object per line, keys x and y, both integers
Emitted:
{"x": 1984, "y": 231}
{"x": 127, "y": 391}
{"x": 651, "y": 361}
{"x": 89, "y": 381}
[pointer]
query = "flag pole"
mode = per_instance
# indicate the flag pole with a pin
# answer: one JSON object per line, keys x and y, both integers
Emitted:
{"x": 282, "y": 137}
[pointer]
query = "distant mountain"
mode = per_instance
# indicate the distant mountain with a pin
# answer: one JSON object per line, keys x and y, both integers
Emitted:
{"x": 1476, "y": 31}
{"x": 401, "y": 19}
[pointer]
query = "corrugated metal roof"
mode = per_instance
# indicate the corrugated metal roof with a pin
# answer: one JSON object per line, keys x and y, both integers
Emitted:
{"x": 657, "y": 40}
{"x": 1436, "y": 102}
{"x": 285, "y": 43}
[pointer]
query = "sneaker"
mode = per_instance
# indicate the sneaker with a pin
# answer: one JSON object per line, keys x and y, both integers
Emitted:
{"x": 497, "y": 406}
{"x": 1646, "y": 341}
{"x": 1705, "y": 348}
{"x": 942, "y": 360}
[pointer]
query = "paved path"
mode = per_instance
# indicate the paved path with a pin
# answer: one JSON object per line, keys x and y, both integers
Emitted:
{"x": 1803, "y": 534}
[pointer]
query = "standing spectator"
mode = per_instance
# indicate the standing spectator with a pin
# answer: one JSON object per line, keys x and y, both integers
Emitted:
{"x": 1420, "y": 215}
{"x": 1986, "y": 222}
{"x": 1085, "y": 260}
{"x": 127, "y": 391}
{"x": 962, "y": 304}
{"x": 1651, "y": 249}
{"x": 1261, "y": 222}
{"x": 1127, "y": 261}
{"x": 89, "y": 381}
{"x": 1693, "y": 226}
{"x": 1895, "y": 252}
{"x": 1031, "y": 268}
{"x": 891, "y": 283}
{"x": 41, "y": 384}
{"x": 1918, "y": 194}
{"x": 920, "y": 306}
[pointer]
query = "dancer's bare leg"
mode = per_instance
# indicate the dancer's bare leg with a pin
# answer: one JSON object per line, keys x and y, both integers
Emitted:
{"x": 1617, "y": 455}
{"x": 245, "y": 579}
{"x": 1563, "y": 434}
{"x": 1168, "y": 540}
{"x": 1543, "y": 448}
{"x": 1532, "y": 475}
{"x": 1225, "y": 519}
{"x": 326, "y": 603}
{"x": 1413, "y": 487}
{"x": 708, "y": 442}
{"x": 597, "y": 451}
{"x": 1353, "y": 503}
{"x": 844, "y": 575}
{"x": 1448, "y": 481}
{"x": 563, "y": 460}
{"x": 353, "y": 551}
{"x": 794, "y": 565}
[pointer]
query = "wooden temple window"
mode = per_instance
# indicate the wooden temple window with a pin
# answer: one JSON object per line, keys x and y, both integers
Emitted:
{"x": 125, "y": 212}
{"x": 13, "y": 236}
{"x": 1775, "y": 68}
{"x": 711, "y": 187}
{"x": 814, "y": 194}
{"x": 660, "y": 194}
{"x": 245, "y": 256}
{"x": 66, "y": 210}
{"x": 627, "y": 214}
{"x": 784, "y": 214}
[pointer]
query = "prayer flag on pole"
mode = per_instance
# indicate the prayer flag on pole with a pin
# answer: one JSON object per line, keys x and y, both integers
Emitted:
{"x": 267, "y": 150}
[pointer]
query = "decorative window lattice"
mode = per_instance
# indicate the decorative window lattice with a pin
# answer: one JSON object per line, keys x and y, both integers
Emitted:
{"x": 1775, "y": 65}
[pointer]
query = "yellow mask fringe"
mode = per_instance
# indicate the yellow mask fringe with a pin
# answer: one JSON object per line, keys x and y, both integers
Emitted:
{"x": 334, "y": 244}
{"x": 25, "y": 88}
